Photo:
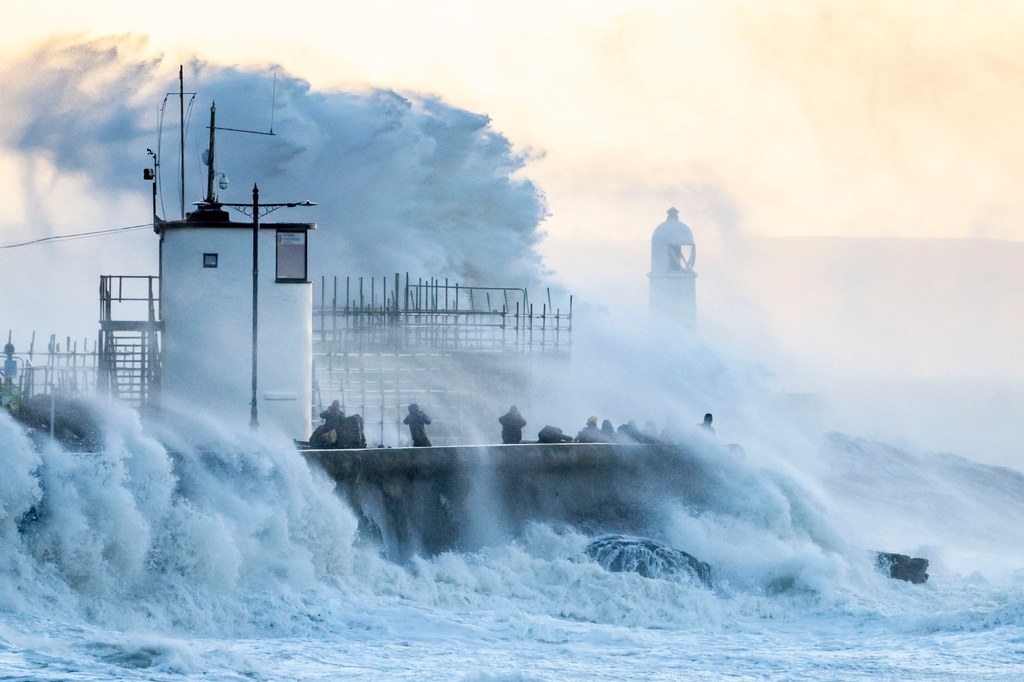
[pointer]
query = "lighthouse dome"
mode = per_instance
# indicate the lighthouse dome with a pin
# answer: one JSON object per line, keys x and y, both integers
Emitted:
{"x": 673, "y": 231}
{"x": 672, "y": 246}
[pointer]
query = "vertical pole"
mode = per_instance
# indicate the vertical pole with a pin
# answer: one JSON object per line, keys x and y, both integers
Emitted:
{"x": 334, "y": 327}
{"x": 181, "y": 151}
{"x": 155, "y": 169}
{"x": 543, "y": 325}
{"x": 210, "y": 160}
{"x": 517, "y": 325}
{"x": 253, "y": 417}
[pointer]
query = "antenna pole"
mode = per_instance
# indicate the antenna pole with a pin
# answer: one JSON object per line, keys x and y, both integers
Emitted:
{"x": 181, "y": 105}
{"x": 273, "y": 100}
{"x": 209, "y": 160}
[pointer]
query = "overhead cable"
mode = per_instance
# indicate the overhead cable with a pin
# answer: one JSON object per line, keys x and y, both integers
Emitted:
{"x": 79, "y": 235}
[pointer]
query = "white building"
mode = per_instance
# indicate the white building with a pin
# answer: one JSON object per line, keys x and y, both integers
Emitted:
{"x": 206, "y": 307}
{"x": 673, "y": 283}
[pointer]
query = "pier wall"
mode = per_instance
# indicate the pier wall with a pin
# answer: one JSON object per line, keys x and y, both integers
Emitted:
{"x": 429, "y": 500}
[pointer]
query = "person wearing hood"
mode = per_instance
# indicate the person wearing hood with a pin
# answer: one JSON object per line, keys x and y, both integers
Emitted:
{"x": 512, "y": 424}
{"x": 333, "y": 415}
{"x": 417, "y": 419}
{"x": 326, "y": 435}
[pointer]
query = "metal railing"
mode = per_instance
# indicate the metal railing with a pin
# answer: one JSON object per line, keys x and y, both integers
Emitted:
{"x": 380, "y": 344}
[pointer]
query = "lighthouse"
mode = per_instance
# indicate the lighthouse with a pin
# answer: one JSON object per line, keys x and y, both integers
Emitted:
{"x": 673, "y": 283}
{"x": 236, "y": 310}
{"x": 207, "y": 285}
{"x": 228, "y": 327}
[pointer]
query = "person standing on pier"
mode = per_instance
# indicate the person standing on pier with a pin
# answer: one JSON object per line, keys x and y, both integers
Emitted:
{"x": 417, "y": 419}
{"x": 512, "y": 424}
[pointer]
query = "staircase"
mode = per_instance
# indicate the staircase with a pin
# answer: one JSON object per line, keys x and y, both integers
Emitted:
{"x": 129, "y": 349}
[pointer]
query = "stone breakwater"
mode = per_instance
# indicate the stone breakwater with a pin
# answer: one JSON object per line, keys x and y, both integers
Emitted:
{"x": 431, "y": 500}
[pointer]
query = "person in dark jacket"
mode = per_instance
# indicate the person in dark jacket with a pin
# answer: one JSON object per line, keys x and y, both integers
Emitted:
{"x": 326, "y": 435}
{"x": 512, "y": 424}
{"x": 350, "y": 432}
{"x": 333, "y": 415}
{"x": 417, "y": 419}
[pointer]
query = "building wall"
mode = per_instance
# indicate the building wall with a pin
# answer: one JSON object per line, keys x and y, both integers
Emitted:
{"x": 674, "y": 297}
{"x": 207, "y": 315}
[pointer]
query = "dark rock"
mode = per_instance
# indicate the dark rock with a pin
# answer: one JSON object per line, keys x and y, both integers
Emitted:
{"x": 651, "y": 559}
{"x": 903, "y": 567}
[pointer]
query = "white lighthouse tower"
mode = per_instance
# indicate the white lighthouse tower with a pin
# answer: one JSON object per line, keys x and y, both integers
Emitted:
{"x": 229, "y": 334}
{"x": 673, "y": 292}
{"x": 206, "y": 285}
{"x": 236, "y": 308}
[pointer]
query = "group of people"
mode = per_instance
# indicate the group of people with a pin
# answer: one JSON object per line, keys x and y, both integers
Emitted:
{"x": 512, "y": 424}
{"x": 339, "y": 431}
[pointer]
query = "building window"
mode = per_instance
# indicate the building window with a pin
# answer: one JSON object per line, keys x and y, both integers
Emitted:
{"x": 291, "y": 255}
{"x": 209, "y": 260}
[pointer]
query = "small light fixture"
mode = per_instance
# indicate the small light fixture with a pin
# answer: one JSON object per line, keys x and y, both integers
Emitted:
{"x": 209, "y": 260}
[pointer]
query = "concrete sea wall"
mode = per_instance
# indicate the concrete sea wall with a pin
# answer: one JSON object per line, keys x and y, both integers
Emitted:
{"x": 429, "y": 500}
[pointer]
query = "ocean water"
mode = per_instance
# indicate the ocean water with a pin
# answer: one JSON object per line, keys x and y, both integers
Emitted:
{"x": 141, "y": 564}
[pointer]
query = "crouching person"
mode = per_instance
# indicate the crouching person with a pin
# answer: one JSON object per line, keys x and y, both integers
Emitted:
{"x": 552, "y": 434}
{"x": 350, "y": 432}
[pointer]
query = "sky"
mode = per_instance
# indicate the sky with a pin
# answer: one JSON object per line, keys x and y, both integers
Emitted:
{"x": 850, "y": 169}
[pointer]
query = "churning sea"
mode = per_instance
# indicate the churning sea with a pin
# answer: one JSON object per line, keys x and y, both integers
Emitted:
{"x": 136, "y": 564}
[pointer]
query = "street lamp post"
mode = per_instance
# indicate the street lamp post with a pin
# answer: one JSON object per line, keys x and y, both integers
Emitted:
{"x": 254, "y": 423}
{"x": 257, "y": 210}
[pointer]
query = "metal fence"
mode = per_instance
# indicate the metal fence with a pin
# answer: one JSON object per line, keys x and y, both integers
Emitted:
{"x": 380, "y": 344}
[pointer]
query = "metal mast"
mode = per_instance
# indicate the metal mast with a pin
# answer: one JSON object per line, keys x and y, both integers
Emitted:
{"x": 181, "y": 108}
{"x": 209, "y": 160}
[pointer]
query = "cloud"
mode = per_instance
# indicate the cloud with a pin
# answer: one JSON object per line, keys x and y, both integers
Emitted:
{"x": 404, "y": 182}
